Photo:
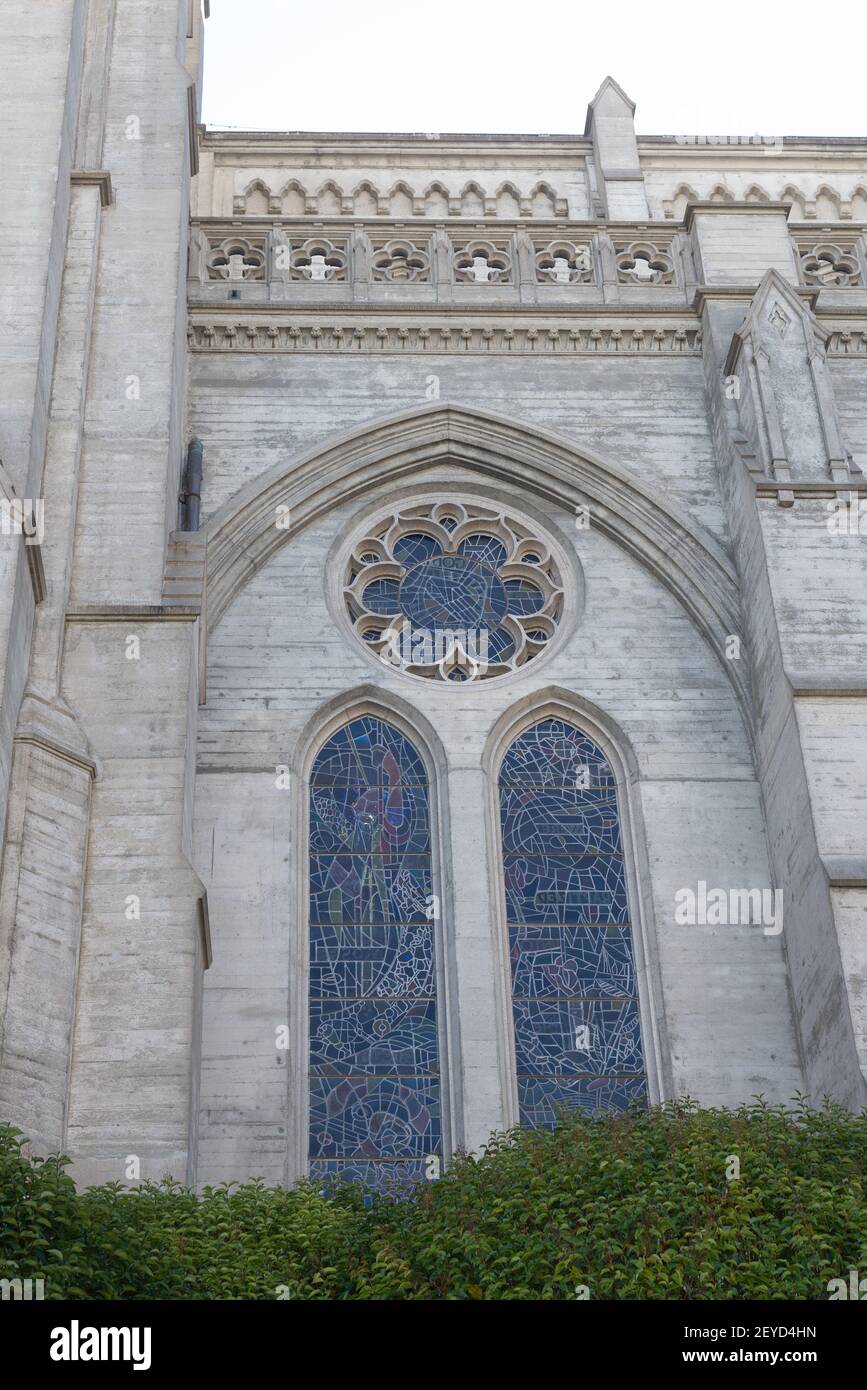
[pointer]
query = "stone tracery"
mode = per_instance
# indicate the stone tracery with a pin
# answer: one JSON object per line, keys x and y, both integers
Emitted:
{"x": 237, "y": 259}
{"x": 644, "y": 263}
{"x": 400, "y": 261}
{"x": 828, "y": 264}
{"x": 565, "y": 263}
{"x": 318, "y": 259}
{"x": 483, "y": 262}
{"x": 452, "y": 591}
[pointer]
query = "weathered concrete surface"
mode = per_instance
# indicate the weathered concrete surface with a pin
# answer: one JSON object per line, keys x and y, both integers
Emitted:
{"x": 98, "y": 107}
{"x": 632, "y": 353}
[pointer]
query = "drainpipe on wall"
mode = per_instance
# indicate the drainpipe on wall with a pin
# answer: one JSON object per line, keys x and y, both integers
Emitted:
{"x": 192, "y": 493}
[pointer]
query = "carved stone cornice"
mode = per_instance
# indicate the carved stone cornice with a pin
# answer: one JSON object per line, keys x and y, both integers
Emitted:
{"x": 847, "y": 342}
{"x": 386, "y": 149}
{"x": 625, "y": 334}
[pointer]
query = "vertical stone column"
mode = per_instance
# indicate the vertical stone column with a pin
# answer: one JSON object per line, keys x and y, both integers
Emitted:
{"x": 360, "y": 254}
{"x": 130, "y": 661}
{"x": 135, "y": 1052}
{"x": 134, "y": 444}
{"x": 50, "y": 771}
{"x": 525, "y": 266}
{"x": 40, "y": 906}
{"x": 803, "y": 621}
{"x": 42, "y": 879}
{"x": 607, "y": 261}
{"x": 43, "y": 53}
{"x": 442, "y": 253}
{"x": 478, "y": 963}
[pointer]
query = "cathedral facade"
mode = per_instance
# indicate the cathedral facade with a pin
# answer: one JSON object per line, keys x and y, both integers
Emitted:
{"x": 433, "y": 622}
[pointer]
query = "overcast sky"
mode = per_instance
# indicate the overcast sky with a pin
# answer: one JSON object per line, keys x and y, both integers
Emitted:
{"x": 741, "y": 67}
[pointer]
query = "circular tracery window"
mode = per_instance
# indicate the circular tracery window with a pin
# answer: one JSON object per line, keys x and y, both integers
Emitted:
{"x": 453, "y": 591}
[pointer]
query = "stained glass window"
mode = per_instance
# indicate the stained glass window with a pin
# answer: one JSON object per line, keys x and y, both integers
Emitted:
{"x": 574, "y": 995}
{"x": 453, "y": 592}
{"x": 374, "y": 1051}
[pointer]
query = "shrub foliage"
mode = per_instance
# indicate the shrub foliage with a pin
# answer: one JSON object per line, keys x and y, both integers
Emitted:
{"x": 637, "y": 1206}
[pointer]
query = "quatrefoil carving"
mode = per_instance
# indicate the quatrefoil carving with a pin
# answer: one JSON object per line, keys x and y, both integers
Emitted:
{"x": 318, "y": 259}
{"x": 399, "y": 262}
{"x": 643, "y": 263}
{"x": 482, "y": 262}
{"x": 564, "y": 263}
{"x": 236, "y": 259}
{"x": 827, "y": 264}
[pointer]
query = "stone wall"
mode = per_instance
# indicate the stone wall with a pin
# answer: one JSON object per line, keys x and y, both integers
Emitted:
{"x": 654, "y": 350}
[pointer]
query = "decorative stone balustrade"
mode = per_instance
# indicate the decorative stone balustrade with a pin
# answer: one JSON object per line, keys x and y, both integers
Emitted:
{"x": 413, "y": 262}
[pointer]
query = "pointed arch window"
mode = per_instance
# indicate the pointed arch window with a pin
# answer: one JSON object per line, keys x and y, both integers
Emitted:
{"x": 575, "y": 1000}
{"x": 374, "y": 1077}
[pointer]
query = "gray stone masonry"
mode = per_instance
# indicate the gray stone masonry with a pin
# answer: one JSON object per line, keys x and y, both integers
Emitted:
{"x": 652, "y": 351}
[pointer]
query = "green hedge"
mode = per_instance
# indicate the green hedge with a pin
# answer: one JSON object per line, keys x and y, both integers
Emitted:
{"x": 633, "y": 1206}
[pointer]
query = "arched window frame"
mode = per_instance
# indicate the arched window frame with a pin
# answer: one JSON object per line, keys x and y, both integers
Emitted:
{"x": 586, "y": 719}
{"x": 421, "y": 735}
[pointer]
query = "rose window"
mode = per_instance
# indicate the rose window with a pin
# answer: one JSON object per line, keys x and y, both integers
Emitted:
{"x": 453, "y": 592}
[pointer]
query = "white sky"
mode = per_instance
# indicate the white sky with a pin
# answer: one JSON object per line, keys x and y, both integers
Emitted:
{"x": 742, "y": 67}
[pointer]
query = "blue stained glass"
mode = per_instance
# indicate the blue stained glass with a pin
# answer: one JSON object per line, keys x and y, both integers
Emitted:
{"x": 357, "y": 888}
{"x": 412, "y": 549}
{"x": 374, "y": 1117}
{"x": 570, "y": 888}
{"x": 485, "y": 548}
{"x": 548, "y": 962}
{"x": 576, "y": 1015}
{"x": 542, "y": 1098}
{"x": 553, "y": 754}
{"x": 453, "y": 591}
{"x": 561, "y": 820}
{"x": 374, "y": 1047}
{"x": 372, "y": 961}
{"x": 380, "y": 1176}
{"x": 500, "y": 644}
{"x": 577, "y": 1037}
{"x": 375, "y": 819}
{"x": 459, "y": 592}
{"x": 524, "y": 598}
{"x": 370, "y": 753}
{"x": 373, "y": 1037}
{"x": 382, "y": 597}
